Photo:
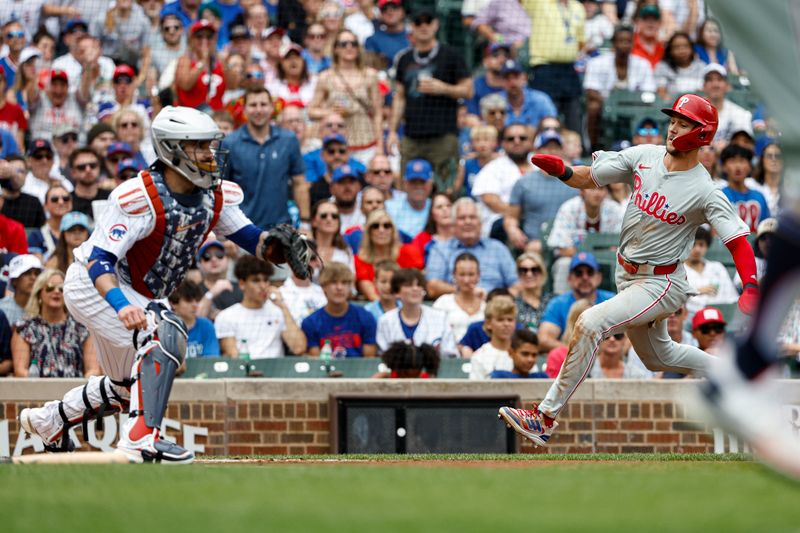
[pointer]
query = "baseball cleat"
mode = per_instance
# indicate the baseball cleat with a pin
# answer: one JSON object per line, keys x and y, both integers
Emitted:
{"x": 152, "y": 450}
{"x": 531, "y": 424}
{"x": 751, "y": 410}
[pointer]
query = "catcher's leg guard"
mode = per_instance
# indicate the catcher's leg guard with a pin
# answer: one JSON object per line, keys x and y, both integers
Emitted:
{"x": 153, "y": 373}
{"x": 99, "y": 397}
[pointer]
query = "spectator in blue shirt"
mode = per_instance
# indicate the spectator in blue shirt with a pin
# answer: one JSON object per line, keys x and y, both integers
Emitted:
{"x": 497, "y": 265}
{"x": 751, "y": 204}
{"x": 185, "y": 301}
{"x": 228, "y": 11}
{"x": 186, "y": 10}
{"x": 584, "y": 279}
{"x": 524, "y": 350}
{"x": 265, "y": 161}
{"x": 331, "y": 124}
{"x": 349, "y": 329}
{"x": 410, "y": 214}
{"x": 525, "y": 106}
{"x": 390, "y": 37}
{"x": 476, "y": 335}
{"x": 494, "y": 57}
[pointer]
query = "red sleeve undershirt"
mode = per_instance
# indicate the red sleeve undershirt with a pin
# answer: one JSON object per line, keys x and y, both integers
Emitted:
{"x": 744, "y": 260}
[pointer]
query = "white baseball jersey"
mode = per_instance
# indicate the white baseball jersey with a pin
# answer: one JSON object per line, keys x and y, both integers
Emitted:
{"x": 665, "y": 207}
{"x": 432, "y": 329}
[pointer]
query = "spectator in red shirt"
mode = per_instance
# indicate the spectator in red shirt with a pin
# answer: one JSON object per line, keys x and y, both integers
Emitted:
{"x": 645, "y": 41}
{"x": 199, "y": 75}
{"x": 12, "y": 234}
{"x": 12, "y": 118}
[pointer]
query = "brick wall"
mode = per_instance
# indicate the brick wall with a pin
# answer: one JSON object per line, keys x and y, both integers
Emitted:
{"x": 260, "y": 416}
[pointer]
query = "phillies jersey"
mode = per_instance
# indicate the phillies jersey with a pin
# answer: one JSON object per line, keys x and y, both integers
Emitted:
{"x": 751, "y": 205}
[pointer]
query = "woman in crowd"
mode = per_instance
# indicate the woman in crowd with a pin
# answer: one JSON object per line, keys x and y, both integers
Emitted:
{"x": 50, "y": 342}
{"x": 351, "y": 89}
{"x": 326, "y": 231}
{"x": 131, "y": 128}
{"x": 709, "y": 158}
{"x": 57, "y": 203}
{"x": 382, "y": 243}
{"x": 314, "y": 51}
{"x": 767, "y": 176}
{"x": 466, "y": 305}
{"x": 531, "y": 299}
{"x": 709, "y": 278}
{"x": 26, "y": 81}
{"x": 193, "y": 86}
{"x": 331, "y": 16}
{"x": 294, "y": 85}
{"x": 74, "y": 232}
{"x": 709, "y": 46}
{"x": 679, "y": 71}
{"x": 610, "y": 362}
{"x": 439, "y": 227}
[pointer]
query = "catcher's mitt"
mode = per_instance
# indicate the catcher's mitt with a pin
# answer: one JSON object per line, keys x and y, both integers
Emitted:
{"x": 284, "y": 244}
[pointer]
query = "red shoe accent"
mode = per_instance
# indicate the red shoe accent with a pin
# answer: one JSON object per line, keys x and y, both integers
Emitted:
{"x": 139, "y": 430}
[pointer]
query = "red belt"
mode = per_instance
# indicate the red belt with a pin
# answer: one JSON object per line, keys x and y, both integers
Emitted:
{"x": 633, "y": 268}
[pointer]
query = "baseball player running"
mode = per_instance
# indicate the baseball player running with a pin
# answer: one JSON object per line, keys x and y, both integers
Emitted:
{"x": 139, "y": 251}
{"x": 672, "y": 195}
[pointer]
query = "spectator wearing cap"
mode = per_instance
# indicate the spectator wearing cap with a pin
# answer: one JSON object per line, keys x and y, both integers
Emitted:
{"x": 218, "y": 291}
{"x": 22, "y": 272}
{"x": 591, "y": 212}
{"x": 557, "y": 37}
{"x": 503, "y": 21}
{"x": 186, "y": 10}
{"x": 496, "y": 180}
{"x": 708, "y": 328}
{"x": 679, "y": 71}
{"x": 241, "y": 43}
{"x": 199, "y": 75}
{"x": 331, "y": 124}
{"x": 491, "y": 81}
{"x": 345, "y": 188}
{"x": 12, "y": 116}
{"x": 42, "y": 170}
{"x": 647, "y": 131}
{"x": 610, "y": 71}
{"x": 167, "y": 45}
{"x": 127, "y": 169}
{"x": 124, "y": 33}
{"x": 535, "y": 198}
{"x": 352, "y": 89}
{"x": 25, "y": 80}
{"x": 84, "y": 51}
{"x": 584, "y": 279}
{"x": 497, "y": 265}
{"x": 334, "y": 154}
{"x": 57, "y": 106}
{"x": 647, "y": 43}
{"x": 58, "y": 202}
{"x": 15, "y": 40}
{"x": 294, "y": 85}
{"x": 84, "y": 164}
{"x": 709, "y": 46}
{"x": 116, "y": 152}
{"x": 229, "y": 12}
{"x": 24, "y": 208}
{"x": 410, "y": 213}
{"x": 390, "y": 35}
{"x": 732, "y": 117}
{"x": 431, "y": 77}
{"x": 314, "y": 50}
{"x": 265, "y": 161}
{"x": 75, "y": 230}
{"x": 271, "y": 46}
{"x": 525, "y": 106}
{"x": 752, "y": 206}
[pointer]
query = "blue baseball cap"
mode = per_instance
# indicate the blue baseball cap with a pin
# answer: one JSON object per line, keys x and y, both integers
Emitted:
{"x": 128, "y": 164}
{"x": 418, "y": 169}
{"x": 119, "y": 147}
{"x": 547, "y": 136}
{"x": 511, "y": 66}
{"x": 584, "y": 258}
{"x": 71, "y": 24}
{"x": 334, "y": 138}
{"x": 342, "y": 172}
{"x": 494, "y": 47}
{"x": 75, "y": 218}
{"x": 208, "y": 244}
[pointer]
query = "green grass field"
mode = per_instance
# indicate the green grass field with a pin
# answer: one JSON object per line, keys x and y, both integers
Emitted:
{"x": 498, "y": 494}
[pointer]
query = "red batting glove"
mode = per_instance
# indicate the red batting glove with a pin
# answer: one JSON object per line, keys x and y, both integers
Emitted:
{"x": 551, "y": 164}
{"x": 748, "y": 301}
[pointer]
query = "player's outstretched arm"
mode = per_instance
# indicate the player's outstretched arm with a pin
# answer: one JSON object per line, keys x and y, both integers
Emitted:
{"x": 579, "y": 177}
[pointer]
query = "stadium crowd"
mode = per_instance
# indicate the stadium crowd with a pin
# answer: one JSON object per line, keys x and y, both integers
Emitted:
{"x": 405, "y": 157}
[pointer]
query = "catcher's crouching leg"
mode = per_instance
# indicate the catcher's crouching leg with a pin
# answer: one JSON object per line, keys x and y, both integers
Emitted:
{"x": 153, "y": 372}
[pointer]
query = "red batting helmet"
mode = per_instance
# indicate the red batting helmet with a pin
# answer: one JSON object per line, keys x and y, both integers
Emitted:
{"x": 699, "y": 110}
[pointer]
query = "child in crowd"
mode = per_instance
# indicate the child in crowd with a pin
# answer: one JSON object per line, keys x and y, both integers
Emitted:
{"x": 408, "y": 361}
{"x": 349, "y": 329}
{"x": 384, "y": 272}
{"x": 476, "y": 336}
{"x": 413, "y": 321}
{"x": 523, "y": 352}
{"x": 484, "y": 144}
{"x": 302, "y": 296}
{"x": 202, "y": 340}
{"x": 500, "y": 324}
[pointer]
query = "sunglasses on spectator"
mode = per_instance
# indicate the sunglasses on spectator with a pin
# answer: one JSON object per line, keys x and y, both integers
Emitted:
{"x": 125, "y": 125}
{"x": 494, "y": 112}
{"x": 127, "y": 80}
{"x": 68, "y": 138}
{"x": 219, "y": 254}
{"x": 13, "y": 34}
{"x": 333, "y": 151}
{"x": 255, "y": 75}
{"x": 707, "y": 329}
{"x": 347, "y": 44}
{"x": 50, "y": 288}
{"x": 42, "y": 155}
{"x": 332, "y": 125}
{"x": 326, "y": 216}
{"x": 648, "y": 131}
{"x": 171, "y": 27}
{"x": 774, "y": 157}
{"x": 389, "y": 6}
{"x": 128, "y": 174}
{"x": 115, "y": 158}
{"x": 617, "y": 336}
{"x": 381, "y": 225}
{"x": 529, "y": 270}
{"x": 56, "y": 199}
{"x": 86, "y": 166}
{"x": 204, "y": 35}
{"x": 315, "y": 35}
{"x": 384, "y": 171}
{"x": 583, "y": 272}
{"x": 422, "y": 20}
{"x": 512, "y": 138}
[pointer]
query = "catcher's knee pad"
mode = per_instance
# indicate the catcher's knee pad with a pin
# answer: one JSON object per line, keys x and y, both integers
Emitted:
{"x": 157, "y": 362}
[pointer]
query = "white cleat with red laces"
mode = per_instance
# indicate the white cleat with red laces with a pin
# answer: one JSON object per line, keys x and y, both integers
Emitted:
{"x": 531, "y": 424}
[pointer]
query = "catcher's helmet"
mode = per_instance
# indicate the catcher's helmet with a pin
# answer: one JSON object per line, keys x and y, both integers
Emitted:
{"x": 699, "y": 110}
